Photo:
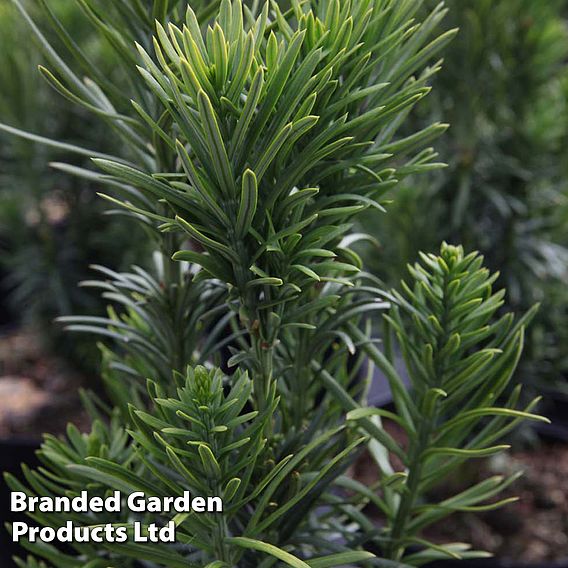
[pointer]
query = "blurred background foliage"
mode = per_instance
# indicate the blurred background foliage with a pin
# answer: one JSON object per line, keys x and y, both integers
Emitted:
{"x": 52, "y": 228}
{"x": 504, "y": 92}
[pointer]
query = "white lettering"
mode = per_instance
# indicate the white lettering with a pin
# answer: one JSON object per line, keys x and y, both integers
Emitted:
{"x": 136, "y": 502}
{"x": 215, "y": 504}
{"x": 19, "y": 529}
{"x": 168, "y": 533}
{"x": 112, "y": 504}
{"x": 18, "y": 502}
{"x": 153, "y": 533}
{"x": 47, "y": 534}
{"x": 198, "y": 504}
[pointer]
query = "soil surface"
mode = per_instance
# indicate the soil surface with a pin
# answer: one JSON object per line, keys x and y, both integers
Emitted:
{"x": 38, "y": 392}
{"x": 532, "y": 530}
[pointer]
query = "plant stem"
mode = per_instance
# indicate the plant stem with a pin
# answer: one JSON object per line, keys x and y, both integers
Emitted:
{"x": 395, "y": 550}
{"x": 221, "y": 530}
{"x": 421, "y": 443}
{"x": 173, "y": 283}
{"x": 257, "y": 325}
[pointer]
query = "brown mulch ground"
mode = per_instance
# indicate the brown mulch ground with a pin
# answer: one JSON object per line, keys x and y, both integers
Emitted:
{"x": 38, "y": 392}
{"x": 532, "y": 530}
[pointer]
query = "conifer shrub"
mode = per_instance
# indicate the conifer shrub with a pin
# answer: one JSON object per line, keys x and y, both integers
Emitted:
{"x": 239, "y": 365}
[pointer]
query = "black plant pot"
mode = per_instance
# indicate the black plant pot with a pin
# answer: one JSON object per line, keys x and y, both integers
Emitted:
{"x": 494, "y": 563}
{"x": 556, "y": 409}
{"x": 7, "y": 317}
{"x": 12, "y": 454}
